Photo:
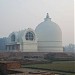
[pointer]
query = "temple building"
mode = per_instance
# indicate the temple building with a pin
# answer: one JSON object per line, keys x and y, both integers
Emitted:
{"x": 47, "y": 37}
{"x": 24, "y": 40}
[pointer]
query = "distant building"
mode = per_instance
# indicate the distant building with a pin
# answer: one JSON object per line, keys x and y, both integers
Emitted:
{"x": 47, "y": 37}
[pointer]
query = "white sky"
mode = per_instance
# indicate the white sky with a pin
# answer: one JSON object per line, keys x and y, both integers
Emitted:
{"x": 16, "y": 15}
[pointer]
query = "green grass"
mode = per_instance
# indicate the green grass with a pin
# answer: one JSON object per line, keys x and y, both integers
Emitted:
{"x": 63, "y": 66}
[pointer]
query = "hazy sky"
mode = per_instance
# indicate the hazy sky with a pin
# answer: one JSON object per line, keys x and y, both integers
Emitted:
{"x": 16, "y": 15}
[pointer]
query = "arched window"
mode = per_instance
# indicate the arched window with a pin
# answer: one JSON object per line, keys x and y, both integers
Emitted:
{"x": 13, "y": 37}
{"x": 29, "y": 36}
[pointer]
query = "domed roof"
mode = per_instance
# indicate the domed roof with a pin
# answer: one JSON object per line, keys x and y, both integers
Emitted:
{"x": 48, "y": 30}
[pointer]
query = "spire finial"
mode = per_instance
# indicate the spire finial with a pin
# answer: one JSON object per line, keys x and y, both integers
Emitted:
{"x": 47, "y": 17}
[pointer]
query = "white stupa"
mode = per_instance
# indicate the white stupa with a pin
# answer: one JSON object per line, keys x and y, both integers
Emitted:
{"x": 49, "y": 36}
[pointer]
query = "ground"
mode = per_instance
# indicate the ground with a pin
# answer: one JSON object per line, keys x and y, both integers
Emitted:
{"x": 60, "y": 66}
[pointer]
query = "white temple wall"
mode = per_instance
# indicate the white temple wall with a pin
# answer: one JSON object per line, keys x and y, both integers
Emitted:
{"x": 50, "y": 46}
{"x": 29, "y": 47}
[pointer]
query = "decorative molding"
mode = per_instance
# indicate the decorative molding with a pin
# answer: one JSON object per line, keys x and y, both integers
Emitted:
{"x": 50, "y": 47}
{"x": 49, "y": 41}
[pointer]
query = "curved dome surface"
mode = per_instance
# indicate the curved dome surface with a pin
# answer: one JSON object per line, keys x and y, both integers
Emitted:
{"x": 48, "y": 31}
{"x": 49, "y": 35}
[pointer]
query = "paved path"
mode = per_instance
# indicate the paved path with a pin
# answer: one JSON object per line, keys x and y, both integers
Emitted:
{"x": 26, "y": 71}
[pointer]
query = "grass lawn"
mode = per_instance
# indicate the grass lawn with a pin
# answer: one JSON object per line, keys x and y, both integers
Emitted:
{"x": 62, "y": 66}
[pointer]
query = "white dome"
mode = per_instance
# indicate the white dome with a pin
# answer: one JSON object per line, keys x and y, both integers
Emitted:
{"x": 49, "y": 31}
